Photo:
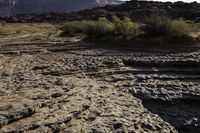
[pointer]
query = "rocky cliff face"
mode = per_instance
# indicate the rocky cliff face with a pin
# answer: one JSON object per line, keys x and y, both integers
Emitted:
{"x": 9, "y": 7}
{"x": 137, "y": 10}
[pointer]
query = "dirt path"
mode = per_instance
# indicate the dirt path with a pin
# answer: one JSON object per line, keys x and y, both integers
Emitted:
{"x": 61, "y": 85}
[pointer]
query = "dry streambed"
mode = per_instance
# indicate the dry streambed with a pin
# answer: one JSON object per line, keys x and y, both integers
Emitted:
{"x": 61, "y": 85}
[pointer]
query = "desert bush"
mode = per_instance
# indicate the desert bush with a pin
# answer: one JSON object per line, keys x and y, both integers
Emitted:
{"x": 157, "y": 26}
{"x": 195, "y": 26}
{"x": 102, "y": 27}
{"x": 126, "y": 27}
{"x": 129, "y": 28}
{"x": 118, "y": 25}
{"x": 76, "y": 27}
{"x": 162, "y": 26}
{"x": 179, "y": 28}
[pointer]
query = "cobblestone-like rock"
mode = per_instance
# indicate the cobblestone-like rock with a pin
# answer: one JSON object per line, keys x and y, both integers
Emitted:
{"x": 98, "y": 90}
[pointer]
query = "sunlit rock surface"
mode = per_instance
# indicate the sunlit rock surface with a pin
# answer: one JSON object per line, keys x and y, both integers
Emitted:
{"x": 52, "y": 84}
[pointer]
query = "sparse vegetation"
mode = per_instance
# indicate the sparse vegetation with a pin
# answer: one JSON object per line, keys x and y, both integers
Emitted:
{"x": 126, "y": 28}
{"x": 102, "y": 27}
{"x": 195, "y": 26}
{"x": 8, "y": 30}
{"x": 180, "y": 31}
{"x": 162, "y": 26}
{"x": 157, "y": 27}
{"x": 76, "y": 27}
{"x": 179, "y": 28}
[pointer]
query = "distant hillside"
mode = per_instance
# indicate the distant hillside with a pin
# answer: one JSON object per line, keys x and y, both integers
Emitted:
{"x": 137, "y": 10}
{"x": 11, "y": 7}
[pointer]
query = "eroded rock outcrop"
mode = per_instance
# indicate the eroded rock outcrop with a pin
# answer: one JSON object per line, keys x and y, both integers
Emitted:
{"x": 12, "y": 7}
{"x": 137, "y": 10}
{"x": 67, "y": 86}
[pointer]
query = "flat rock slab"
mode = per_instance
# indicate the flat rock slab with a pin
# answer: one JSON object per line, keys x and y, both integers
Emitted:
{"x": 76, "y": 87}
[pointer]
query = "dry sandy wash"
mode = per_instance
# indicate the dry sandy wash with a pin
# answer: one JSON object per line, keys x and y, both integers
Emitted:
{"x": 52, "y": 84}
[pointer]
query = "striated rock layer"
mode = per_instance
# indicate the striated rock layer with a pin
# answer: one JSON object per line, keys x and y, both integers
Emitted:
{"x": 59, "y": 85}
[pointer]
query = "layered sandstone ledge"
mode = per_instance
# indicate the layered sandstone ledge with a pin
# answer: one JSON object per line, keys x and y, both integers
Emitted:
{"x": 61, "y": 85}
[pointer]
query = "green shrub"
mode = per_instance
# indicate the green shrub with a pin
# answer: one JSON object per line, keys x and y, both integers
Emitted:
{"x": 126, "y": 27}
{"x": 179, "y": 29}
{"x": 98, "y": 28}
{"x": 102, "y": 27}
{"x": 157, "y": 26}
{"x": 195, "y": 26}
{"x": 174, "y": 30}
{"x": 129, "y": 28}
{"x": 76, "y": 27}
{"x": 118, "y": 25}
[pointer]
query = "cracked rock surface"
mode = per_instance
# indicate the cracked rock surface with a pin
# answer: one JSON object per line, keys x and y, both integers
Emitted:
{"x": 69, "y": 86}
